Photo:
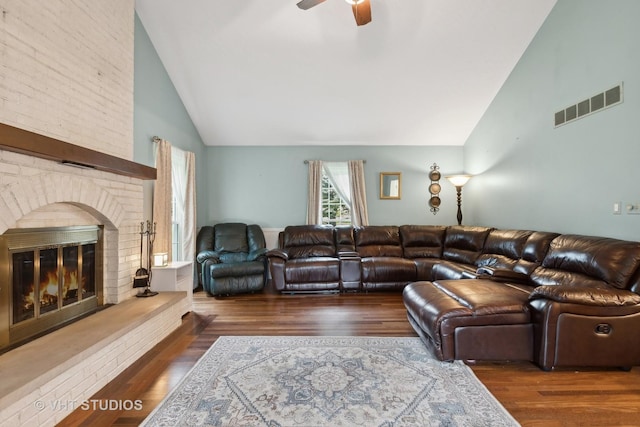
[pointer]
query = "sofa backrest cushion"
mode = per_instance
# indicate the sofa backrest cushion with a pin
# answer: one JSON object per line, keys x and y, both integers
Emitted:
{"x": 304, "y": 241}
{"x": 535, "y": 249}
{"x": 378, "y": 241}
{"x": 464, "y": 244}
{"x": 611, "y": 261}
{"x": 537, "y": 246}
{"x": 344, "y": 239}
{"x": 230, "y": 241}
{"x": 230, "y": 237}
{"x": 503, "y": 248}
{"x": 422, "y": 241}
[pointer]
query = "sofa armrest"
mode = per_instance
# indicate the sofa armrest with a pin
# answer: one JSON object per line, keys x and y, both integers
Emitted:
{"x": 203, "y": 256}
{"x": 501, "y": 275}
{"x": 348, "y": 254}
{"x": 277, "y": 253}
{"x": 602, "y": 296}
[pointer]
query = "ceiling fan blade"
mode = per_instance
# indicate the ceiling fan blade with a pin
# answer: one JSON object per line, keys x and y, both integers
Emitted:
{"x": 362, "y": 12}
{"x": 308, "y": 4}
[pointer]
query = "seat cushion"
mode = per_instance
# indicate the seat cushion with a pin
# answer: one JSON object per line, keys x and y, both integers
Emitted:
{"x": 388, "y": 269}
{"x": 312, "y": 270}
{"x": 236, "y": 269}
{"x": 449, "y": 270}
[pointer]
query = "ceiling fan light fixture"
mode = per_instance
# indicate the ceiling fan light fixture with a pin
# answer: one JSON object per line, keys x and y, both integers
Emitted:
{"x": 354, "y": 2}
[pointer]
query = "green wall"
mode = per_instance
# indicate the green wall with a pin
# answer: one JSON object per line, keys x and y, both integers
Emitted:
{"x": 565, "y": 179}
{"x": 158, "y": 111}
{"x": 268, "y": 185}
{"x": 529, "y": 174}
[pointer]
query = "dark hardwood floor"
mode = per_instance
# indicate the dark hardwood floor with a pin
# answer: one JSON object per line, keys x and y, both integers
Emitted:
{"x": 532, "y": 396}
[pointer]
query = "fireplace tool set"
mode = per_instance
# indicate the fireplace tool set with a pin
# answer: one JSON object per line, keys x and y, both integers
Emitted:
{"x": 142, "y": 279}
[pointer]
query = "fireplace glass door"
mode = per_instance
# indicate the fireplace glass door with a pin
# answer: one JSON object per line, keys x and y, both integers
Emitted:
{"x": 49, "y": 277}
{"x": 88, "y": 270}
{"x": 23, "y": 286}
{"x": 65, "y": 275}
{"x": 48, "y": 288}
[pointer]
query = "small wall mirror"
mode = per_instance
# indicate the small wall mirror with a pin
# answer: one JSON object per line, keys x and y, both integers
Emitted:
{"x": 390, "y": 185}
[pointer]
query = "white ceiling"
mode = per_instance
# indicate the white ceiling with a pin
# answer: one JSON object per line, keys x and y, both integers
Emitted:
{"x": 263, "y": 72}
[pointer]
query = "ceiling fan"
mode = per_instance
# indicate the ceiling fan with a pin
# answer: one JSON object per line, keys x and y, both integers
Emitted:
{"x": 361, "y": 9}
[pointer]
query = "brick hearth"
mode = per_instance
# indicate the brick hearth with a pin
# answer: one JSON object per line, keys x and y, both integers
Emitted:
{"x": 44, "y": 380}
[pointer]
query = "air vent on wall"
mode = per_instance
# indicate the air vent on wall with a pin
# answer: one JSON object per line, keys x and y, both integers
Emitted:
{"x": 598, "y": 102}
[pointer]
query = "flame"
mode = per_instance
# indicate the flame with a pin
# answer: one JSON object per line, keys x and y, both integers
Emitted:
{"x": 62, "y": 283}
{"x": 28, "y": 299}
{"x": 49, "y": 289}
{"x": 70, "y": 283}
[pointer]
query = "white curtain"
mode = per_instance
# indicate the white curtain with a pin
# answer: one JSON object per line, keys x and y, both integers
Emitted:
{"x": 189, "y": 228}
{"x": 314, "y": 201}
{"x": 359, "y": 213}
{"x": 183, "y": 176}
{"x": 162, "y": 198}
{"x": 338, "y": 173}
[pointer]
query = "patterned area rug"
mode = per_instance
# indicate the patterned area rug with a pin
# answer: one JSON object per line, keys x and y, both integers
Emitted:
{"x": 327, "y": 381}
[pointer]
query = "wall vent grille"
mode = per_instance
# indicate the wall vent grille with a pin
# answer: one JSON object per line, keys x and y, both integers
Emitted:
{"x": 596, "y": 103}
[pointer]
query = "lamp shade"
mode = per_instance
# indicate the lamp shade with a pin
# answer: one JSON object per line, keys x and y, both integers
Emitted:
{"x": 458, "y": 180}
{"x": 160, "y": 259}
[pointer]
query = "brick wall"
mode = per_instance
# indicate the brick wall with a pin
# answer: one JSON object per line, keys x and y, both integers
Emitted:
{"x": 40, "y": 193}
{"x": 66, "y": 71}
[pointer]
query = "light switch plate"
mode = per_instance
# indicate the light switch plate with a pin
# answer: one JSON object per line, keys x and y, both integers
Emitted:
{"x": 617, "y": 208}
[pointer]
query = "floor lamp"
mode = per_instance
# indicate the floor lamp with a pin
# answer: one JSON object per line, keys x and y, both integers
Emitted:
{"x": 458, "y": 181}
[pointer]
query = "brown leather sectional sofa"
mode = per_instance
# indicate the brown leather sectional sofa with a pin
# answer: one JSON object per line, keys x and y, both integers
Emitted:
{"x": 478, "y": 293}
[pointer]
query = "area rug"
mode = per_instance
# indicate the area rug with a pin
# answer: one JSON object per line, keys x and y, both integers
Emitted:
{"x": 327, "y": 381}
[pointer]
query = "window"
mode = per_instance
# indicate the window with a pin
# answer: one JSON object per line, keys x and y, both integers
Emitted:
{"x": 178, "y": 187}
{"x": 335, "y": 210}
{"x": 176, "y": 238}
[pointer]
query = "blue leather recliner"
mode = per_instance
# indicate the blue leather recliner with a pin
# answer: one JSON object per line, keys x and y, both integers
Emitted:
{"x": 231, "y": 258}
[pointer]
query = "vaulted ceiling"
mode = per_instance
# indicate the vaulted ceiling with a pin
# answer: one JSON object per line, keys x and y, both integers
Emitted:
{"x": 264, "y": 72}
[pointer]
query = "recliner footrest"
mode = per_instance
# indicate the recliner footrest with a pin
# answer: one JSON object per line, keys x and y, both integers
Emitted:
{"x": 471, "y": 319}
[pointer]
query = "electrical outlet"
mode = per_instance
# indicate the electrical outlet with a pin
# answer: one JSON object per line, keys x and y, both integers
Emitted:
{"x": 633, "y": 208}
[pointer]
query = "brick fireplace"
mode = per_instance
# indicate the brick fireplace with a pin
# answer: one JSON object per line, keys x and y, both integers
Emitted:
{"x": 53, "y": 195}
{"x": 67, "y": 76}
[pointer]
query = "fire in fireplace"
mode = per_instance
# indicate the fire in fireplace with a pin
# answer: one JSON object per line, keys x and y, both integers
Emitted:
{"x": 54, "y": 276}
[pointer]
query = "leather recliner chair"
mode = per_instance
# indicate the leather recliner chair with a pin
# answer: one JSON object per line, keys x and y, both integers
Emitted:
{"x": 231, "y": 258}
{"x": 306, "y": 260}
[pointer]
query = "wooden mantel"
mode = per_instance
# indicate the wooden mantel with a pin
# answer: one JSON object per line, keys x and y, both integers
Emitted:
{"x": 33, "y": 144}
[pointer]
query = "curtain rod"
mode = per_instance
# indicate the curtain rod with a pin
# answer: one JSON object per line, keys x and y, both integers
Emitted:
{"x": 156, "y": 139}
{"x": 306, "y": 162}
